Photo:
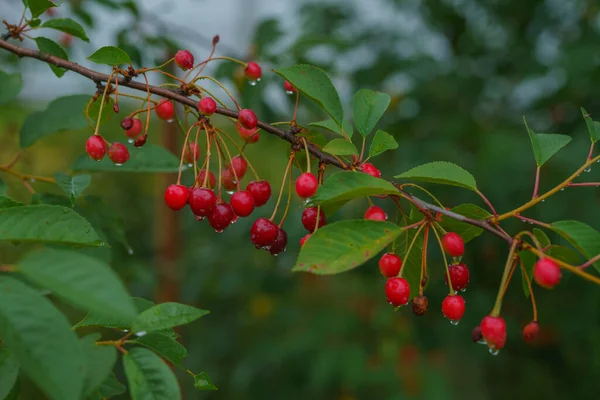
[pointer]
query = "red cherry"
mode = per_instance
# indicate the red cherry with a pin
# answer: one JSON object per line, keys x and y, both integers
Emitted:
{"x": 289, "y": 87}
{"x": 309, "y": 218}
{"x": 176, "y": 196}
{"x": 242, "y": 203}
{"x": 493, "y": 330}
{"x": 397, "y": 291}
{"x": 140, "y": 141}
{"x": 239, "y": 165}
{"x": 95, "y": 146}
{"x": 531, "y": 331}
{"x": 116, "y": 108}
{"x": 546, "y": 273}
{"x": 280, "y": 243}
{"x": 247, "y": 118}
{"x": 212, "y": 180}
{"x": 263, "y": 233}
{"x": 390, "y": 265}
{"x": 165, "y": 110}
{"x": 136, "y": 128}
{"x": 453, "y": 244}
{"x": 192, "y": 148}
{"x": 370, "y": 169}
{"x": 253, "y": 71}
{"x": 127, "y": 123}
{"x": 304, "y": 239}
{"x": 453, "y": 307}
{"x": 248, "y": 135}
{"x": 202, "y": 201}
{"x": 261, "y": 191}
{"x": 375, "y": 213}
{"x": 220, "y": 217}
{"x": 306, "y": 185}
{"x": 184, "y": 59}
{"x": 118, "y": 153}
{"x": 227, "y": 180}
{"x": 459, "y": 276}
{"x": 207, "y": 106}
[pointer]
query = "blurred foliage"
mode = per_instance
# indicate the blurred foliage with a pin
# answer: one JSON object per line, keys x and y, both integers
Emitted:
{"x": 461, "y": 75}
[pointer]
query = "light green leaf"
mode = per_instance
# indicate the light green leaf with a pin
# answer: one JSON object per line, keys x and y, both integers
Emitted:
{"x": 9, "y": 370}
{"x": 100, "y": 361}
{"x": 592, "y": 126}
{"x": 84, "y": 281}
{"x": 382, "y": 141}
{"x": 467, "y": 231}
{"x": 73, "y": 186}
{"x": 582, "y": 236}
{"x": 48, "y": 224}
{"x": 163, "y": 345}
{"x": 10, "y": 86}
{"x": 345, "y": 245}
{"x": 41, "y": 339}
{"x": 38, "y": 7}
{"x": 369, "y": 106}
{"x": 545, "y": 145}
{"x": 332, "y": 126}
{"x": 442, "y": 172}
{"x": 67, "y": 25}
{"x": 340, "y": 147}
{"x": 109, "y": 388}
{"x": 114, "y": 321}
{"x": 315, "y": 84}
{"x": 150, "y": 158}
{"x": 202, "y": 382}
{"x": 47, "y": 46}
{"x": 6, "y": 202}
{"x": 348, "y": 185}
{"x": 110, "y": 55}
{"x": 149, "y": 377}
{"x": 165, "y": 316}
{"x": 541, "y": 236}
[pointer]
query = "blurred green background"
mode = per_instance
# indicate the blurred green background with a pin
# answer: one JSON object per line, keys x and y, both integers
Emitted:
{"x": 461, "y": 75}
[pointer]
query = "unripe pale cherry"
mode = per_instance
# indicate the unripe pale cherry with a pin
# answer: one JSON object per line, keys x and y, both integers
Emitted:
{"x": 247, "y": 118}
{"x": 397, "y": 291}
{"x": 135, "y": 130}
{"x": 375, "y": 213}
{"x": 207, "y": 106}
{"x": 211, "y": 182}
{"x": 306, "y": 185}
{"x": 453, "y": 244}
{"x": 228, "y": 180}
{"x": 95, "y": 146}
{"x": 370, "y": 169}
{"x": 546, "y": 273}
{"x": 118, "y": 153}
{"x": 453, "y": 307}
{"x": 184, "y": 59}
{"x": 253, "y": 71}
{"x": 165, "y": 110}
{"x": 493, "y": 330}
{"x": 390, "y": 265}
{"x": 248, "y": 135}
{"x": 176, "y": 196}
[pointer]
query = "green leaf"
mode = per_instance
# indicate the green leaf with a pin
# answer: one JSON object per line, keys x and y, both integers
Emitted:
{"x": 545, "y": 145}
{"x": 442, "y": 172}
{"x": 369, "y": 106}
{"x": 382, "y": 141}
{"x": 114, "y": 321}
{"x": 467, "y": 231}
{"x": 150, "y": 158}
{"x": 109, "y": 388}
{"x": 411, "y": 265}
{"x": 344, "y": 245}
{"x": 165, "y": 316}
{"x": 528, "y": 260}
{"x": 47, "y": 46}
{"x": 48, "y": 224}
{"x": 9, "y": 370}
{"x": 163, "y": 345}
{"x": 202, "y": 382}
{"x": 14, "y": 392}
{"x": 313, "y": 137}
{"x": 332, "y": 126}
{"x": 73, "y": 186}
{"x": 10, "y": 86}
{"x": 38, "y": 7}
{"x": 67, "y": 25}
{"x": 591, "y": 125}
{"x": 3, "y": 188}
{"x": 110, "y": 55}
{"x": 149, "y": 377}
{"x": 100, "y": 361}
{"x": 6, "y": 202}
{"x": 348, "y": 185}
{"x": 541, "y": 236}
{"x": 41, "y": 339}
{"x": 340, "y": 147}
{"x": 582, "y": 236}
{"x": 315, "y": 84}
{"x": 104, "y": 219}
{"x": 62, "y": 114}
{"x": 34, "y": 23}
{"x": 82, "y": 280}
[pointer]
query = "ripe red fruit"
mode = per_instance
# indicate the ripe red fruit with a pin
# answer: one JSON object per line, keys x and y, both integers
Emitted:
{"x": 309, "y": 218}
{"x": 390, "y": 265}
{"x": 118, "y": 153}
{"x": 453, "y": 244}
{"x": 459, "y": 276}
{"x": 191, "y": 153}
{"x": 397, "y": 291}
{"x": 375, "y": 213}
{"x": 289, "y": 87}
{"x": 220, "y": 217}
{"x": 493, "y": 330}
{"x": 248, "y": 135}
{"x": 242, "y": 203}
{"x": 546, "y": 273}
{"x": 212, "y": 180}
{"x": 202, "y": 201}
{"x": 260, "y": 191}
{"x": 453, "y": 307}
{"x": 184, "y": 59}
{"x": 176, "y": 196}
{"x": 253, "y": 71}
{"x": 239, "y": 165}
{"x": 207, "y": 106}
{"x": 66, "y": 39}
{"x": 247, "y": 118}
{"x": 165, "y": 110}
{"x": 531, "y": 331}
{"x": 280, "y": 243}
{"x": 95, "y": 146}
{"x": 263, "y": 233}
{"x": 136, "y": 128}
{"x": 227, "y": 180}
{"x": 306, "y": 185}
{"x": 370, "y": 169}
{"x": 140, "y": 141}
{"x": 304, "y": 239}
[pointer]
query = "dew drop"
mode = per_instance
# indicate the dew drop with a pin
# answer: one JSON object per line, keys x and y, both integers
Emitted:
{"x": 170, "y": 120}
{"x": 456, "y": 260}
{"x": 31, "y": 180}
{"x": 235, "y": 219}
{"x": 562, "y": 190}
{"x": 65, "y": 210}
{"x": 98, "y": 160}
{"x": 463, "y": 290}
{"x": 454, "y": 322}
{"x": 219, "y": 230}
{"x": 274, "y": 255}
{"x": 588, "y": 169}
{"x": 130, "y": 140}
{"x": 252, "y": 83}
{"x": 125, "y": 330}
{"x": 494, "y": 351}
{"x": 140, "y": 334}
{"x": 289, "y": 92}
{"x": 190, "y": 165}
{"x": 482, "y": 341}
{"x": 543, "y": 200}
{"x": 598, "y": 161}
{"x": 198, "y": 217}
{"x": 130, "y": 251}
{"x": 118, "y": 165}
{"x": 258, "y": 80}
{"x": 230, "y": 192}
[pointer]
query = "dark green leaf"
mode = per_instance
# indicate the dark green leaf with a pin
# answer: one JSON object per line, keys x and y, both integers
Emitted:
{"x": 41, "y": 339}
{"x": 9, "y": 370}
{"x": 115, "y": 321}
{"x": 340, "y": 147}
{"x": 14, "y": 392}
{"x": 369, "y": 106}
{"x": 315, "y": 84}
{"x": 47, "y": 46}
{"x": 348, "y": 185}
{"x": 202, "y": 382}
{"x": 441, "y": 172}
{"x": 104, "y": 219}
{"x": 165, "y": 346}
{"x": 344, "y": 245}
{"x": 67, "y": 25}
{"x": 6, "y": 202}
{"x": 10, "y": 86}
{"x": 332, "y": 126}
{"x": 545, "y": 145}
{"x": 73, "y": 186}
{"x": 150, "y": 158}
{"x": 382, "y": 141}
{"x": 3, "y": 188}
{"x": 467, "y": 231}
{"x": 149, "y": 377}
{"x": 34, "y": 23}
{"x": 541, "y": 236}
{"x": 165, "y": 316}
{"x": 592, "y": 126}
{"x": 109, "y": 388}
{"x": 100, "y": 361}
{"x": 585, "y": 238}
{"x": 38, "y": 7}
{"x": 110, "y": 55}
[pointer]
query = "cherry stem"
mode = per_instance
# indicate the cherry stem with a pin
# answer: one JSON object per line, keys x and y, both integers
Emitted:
{"x": 210, "y": 78}
{"x": 295, "y": 108}
{"x": 592, "y": 184}
{"x": 187, "y": 135}
{"x": 589, "y": 262}
{"x": 526, "y": 276}
{"x": 591, "y": 153}
{"x": 207, "y": 156}
{"x": 237, "y": 179}
{"x": 87, "y": 113}
{"x": 532, "y": 221}
{"x": 362, "y": 149}
{"x": 102, "y": 104}
{"x": 537, "y": 183}
{"x": 531, "y": 236}
{"x": 142, "y": 70}
{"x": 504, "y": 282}
{"x": 241, "y": 152}
{"x": 219, "y": 157}
{"x": 424, "y": 257}
{"x": 412, "y": 243}
{"x": 307, "y": 155}
{"x": 26, "y": 177}
{"x": 424, "y": 191}
{"x": 512, "y": 271}
{"x": 289, "y": 200}
{"x": 439, "y": 240}
{"x": 195, "y": 150}
{"x": 486, "y": 201}
{"x": 287, "y": 168}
